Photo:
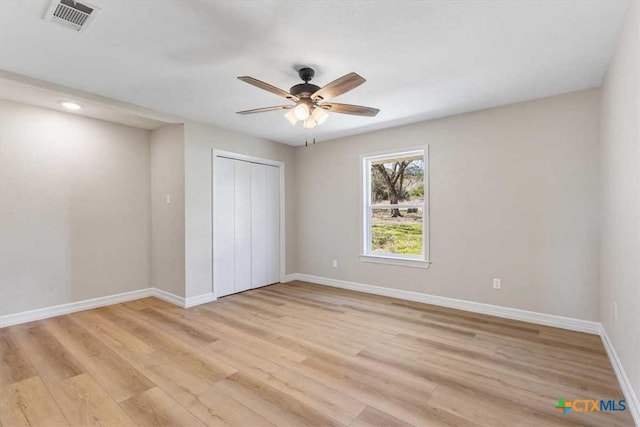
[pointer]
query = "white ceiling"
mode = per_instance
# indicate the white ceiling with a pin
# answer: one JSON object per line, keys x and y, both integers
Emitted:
{"x": 422, "y": 60}
{"x": 13, "y": 88}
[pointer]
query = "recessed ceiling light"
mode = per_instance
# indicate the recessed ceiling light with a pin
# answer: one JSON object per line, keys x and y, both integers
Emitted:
{"x": 71, "y": 105}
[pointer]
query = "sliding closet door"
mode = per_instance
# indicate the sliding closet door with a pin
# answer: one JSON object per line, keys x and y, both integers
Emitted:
{"x": 242, "y": 192}
{"x": 246, "y": 251}
{"x": 258, "y": 225}
{"x": 224, "y": 237}
{"x": 272, "y": 212}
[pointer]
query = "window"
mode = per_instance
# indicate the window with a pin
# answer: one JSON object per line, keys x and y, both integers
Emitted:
{"x": 395, "y": 208}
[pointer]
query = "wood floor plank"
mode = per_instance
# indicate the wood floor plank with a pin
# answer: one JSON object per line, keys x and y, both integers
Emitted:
{"x": 268, "y": 350}
{"x": 257, "y": 296}
{"x": 197, "y": 394}
{"x": 243, "y": 360}
{"x": 404, "y": 400}
{"x": 115, "y": 374}
{"x": 272, "y": 404}
{"x": 395, "y": 349}
{"x": 486, "y": 411}
{"x": 170, "y": 376}
{"x": 155, "y": 408}
{"x": 322, "y": 307}
{"x": 193, "y": 359}
{"x": 328, "y": 401}
{"x": 258, "y": 307}
{"x": 181, "y": 329}
{"x": 14, "y": 365}
{"x": 85, "y": 403}
{"x": 287, "y": 336}
{"x": 217, "y": 409}
{"x": 53, "y": 361}
{"x": 317, "y": 337}
{"x": 371, "y": 417}
{"x": 144, "y": 303}
{"x": 544, "y": 375}
{"x": 299, "y": 354}
{"x": 332, "y": 403}
{"x": 221, "y": 314}
{"x": 437, "y": 343}
{"x": 594, "y": 358}
{"x": 110, "y": 334}
{"x": 337, "y": 329}
{"x": 602, "y": 374}
{"x": 478, "y": 385}
{"x": 29, "y": 403}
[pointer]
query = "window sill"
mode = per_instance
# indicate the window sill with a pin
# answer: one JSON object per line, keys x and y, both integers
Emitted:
{"x": 405, "y": 262}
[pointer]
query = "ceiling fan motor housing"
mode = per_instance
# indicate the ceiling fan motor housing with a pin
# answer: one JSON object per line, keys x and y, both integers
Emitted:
{"x": 304, "y": 90}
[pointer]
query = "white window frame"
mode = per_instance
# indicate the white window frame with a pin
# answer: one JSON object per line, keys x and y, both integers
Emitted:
{"x": 367, "y": 255}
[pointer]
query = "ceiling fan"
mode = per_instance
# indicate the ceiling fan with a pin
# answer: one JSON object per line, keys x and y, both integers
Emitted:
{"x": 311, "y": 101}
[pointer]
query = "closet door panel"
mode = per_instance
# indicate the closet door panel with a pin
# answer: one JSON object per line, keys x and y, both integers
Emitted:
{"x": 273, "y": 223}
{"x": 258, "y": 225}
{"x": 242, "y": 200}
{"x": 223, "y": 227}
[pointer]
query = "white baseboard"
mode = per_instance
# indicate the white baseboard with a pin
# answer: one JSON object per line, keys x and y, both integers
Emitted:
{"x": 168, "y": 297}
{"x": 289, "y": 277}
{"x": 475, "y": 307}
{"x": 625, "y": 384}
{"x": 72, "y": 307}
{"x": 199, "y": 299}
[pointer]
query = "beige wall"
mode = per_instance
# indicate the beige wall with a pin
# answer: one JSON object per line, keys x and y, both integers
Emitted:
{"x": 514, "y": 195}
{"x": 167, "y": 219}
{"x": 200, "y": 140}
{"x": 620, "y": 256}
{"x": 74, "y": 208}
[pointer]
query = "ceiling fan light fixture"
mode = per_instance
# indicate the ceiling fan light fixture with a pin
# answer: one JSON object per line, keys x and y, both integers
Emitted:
{"x": 301, "y": 111}
{"x": 320, "y": 115}
{"x": 291, "y": 116}
{"x": 309, "y": 123}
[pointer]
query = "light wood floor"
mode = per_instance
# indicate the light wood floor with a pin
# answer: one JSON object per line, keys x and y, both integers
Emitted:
{"x": 298, "y": 354}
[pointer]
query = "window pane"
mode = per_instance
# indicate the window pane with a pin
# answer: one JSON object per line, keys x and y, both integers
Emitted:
{"x": 396, "y": 231}
{"x": 397, "y": 181}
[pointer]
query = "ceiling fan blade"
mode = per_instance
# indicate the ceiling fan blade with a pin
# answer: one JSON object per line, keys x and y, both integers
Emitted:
{"x": 339, "y": 86}
{"x": 268, "y": 87}
{"x": 356, "y": 110}
{"x": 265, "y": 109}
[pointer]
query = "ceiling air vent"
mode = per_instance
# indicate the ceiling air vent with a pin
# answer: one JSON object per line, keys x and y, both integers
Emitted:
{"x": 72, "y": 14}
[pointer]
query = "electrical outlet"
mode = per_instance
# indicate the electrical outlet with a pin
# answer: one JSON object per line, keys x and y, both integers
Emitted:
{"x": 497, "y": 284}
{"x": 615, "y": 310}
{"x": 335, "y": 263}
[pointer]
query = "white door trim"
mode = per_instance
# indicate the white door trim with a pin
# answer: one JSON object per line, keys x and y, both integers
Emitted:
{"x": 262, "y": 161}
